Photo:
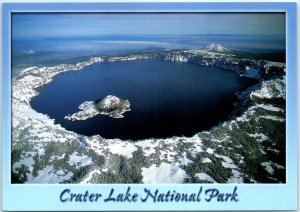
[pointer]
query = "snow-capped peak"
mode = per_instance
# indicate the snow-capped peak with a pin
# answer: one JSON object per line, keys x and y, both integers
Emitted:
{"x": 109, "y": 101}
{"x": 216, "y": 47}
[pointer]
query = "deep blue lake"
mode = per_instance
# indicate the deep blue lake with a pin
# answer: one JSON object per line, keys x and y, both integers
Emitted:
{"x": 167, "y": 98}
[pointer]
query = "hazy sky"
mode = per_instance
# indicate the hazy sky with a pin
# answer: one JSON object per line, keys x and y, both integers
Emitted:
{"x": 29, "y": 25}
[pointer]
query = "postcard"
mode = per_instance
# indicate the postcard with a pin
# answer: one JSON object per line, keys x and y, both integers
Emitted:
{"x": 149, "y": 106}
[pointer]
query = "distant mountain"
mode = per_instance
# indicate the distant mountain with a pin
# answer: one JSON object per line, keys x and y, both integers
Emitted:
{"x": 216, "y": 47}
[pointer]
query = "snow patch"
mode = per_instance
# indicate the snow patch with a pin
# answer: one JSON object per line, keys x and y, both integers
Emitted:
{"x": 259, "y": 137}
{"x": 210, "y": 151}
{"x": 206, "y": 160}
{"x": 268, "y": 167}
{"x": 270, "y": 108}
{"x": 274, "y": 118}
{"x": 28, "y": 162}
{"x": 236, "y": 177}
{"x": 48, "y": 175}
{"x": 123, "y": 148}
{"x": 164, "y": 173}
{"x": 79, "y": 160}
{"x": 185, "y": 160}
{"x": 89, "y": 176}
{"x": 148, "y": 146}
{"x": 206, "y": 177}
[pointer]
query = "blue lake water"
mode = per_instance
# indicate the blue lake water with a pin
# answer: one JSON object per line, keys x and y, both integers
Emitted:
{"x": 167, "y": 98}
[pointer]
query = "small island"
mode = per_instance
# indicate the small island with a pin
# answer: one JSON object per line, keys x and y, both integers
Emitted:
{"x": 110, "y": 105}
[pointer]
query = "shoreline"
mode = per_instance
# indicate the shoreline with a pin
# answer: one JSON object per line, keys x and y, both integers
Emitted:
{"x": 52, "y": 71}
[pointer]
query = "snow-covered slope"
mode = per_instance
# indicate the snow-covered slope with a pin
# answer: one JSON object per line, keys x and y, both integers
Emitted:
{"x": 271, "y": 89}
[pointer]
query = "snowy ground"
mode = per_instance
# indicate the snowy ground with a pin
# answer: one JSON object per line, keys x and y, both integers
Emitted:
{"x": 248, "y": 148}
